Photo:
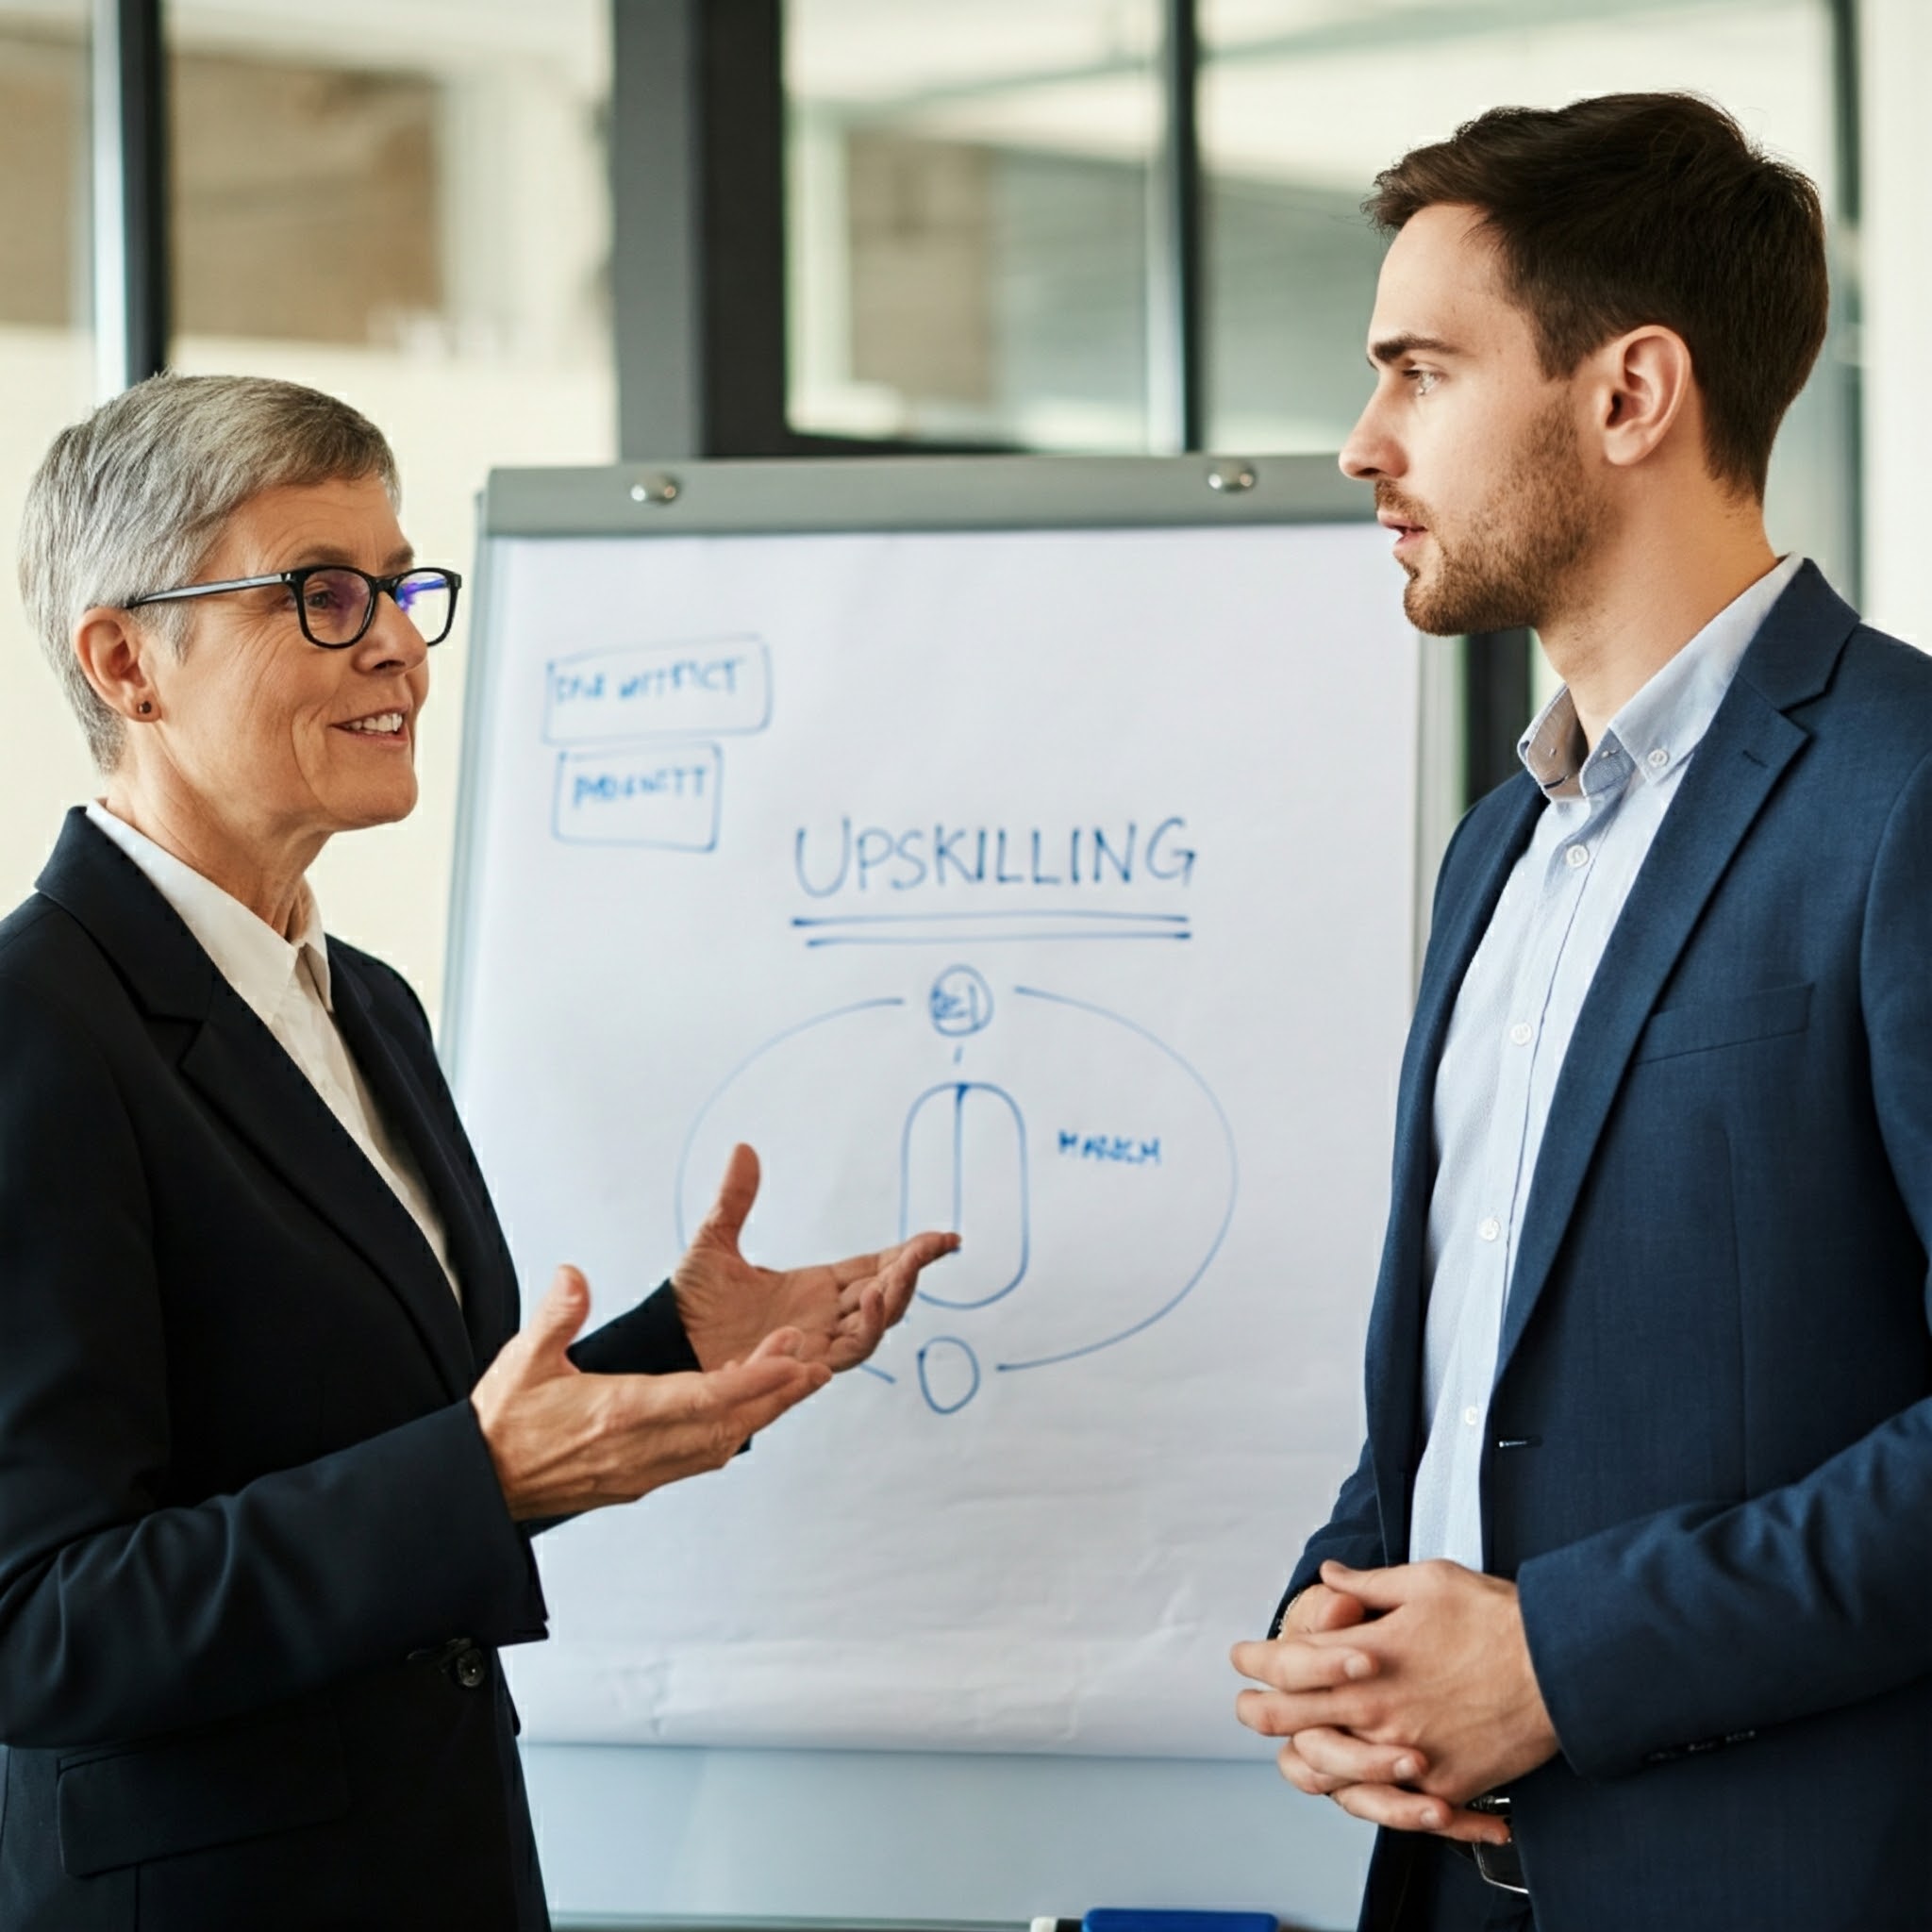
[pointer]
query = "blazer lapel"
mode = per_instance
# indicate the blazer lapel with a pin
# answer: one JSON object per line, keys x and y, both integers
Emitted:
{"x": 489, "y": 1304}
{"x": 1394, "y": 1343}
{"x": 1732, "y": 773}
{"x": 243, "y": 1071}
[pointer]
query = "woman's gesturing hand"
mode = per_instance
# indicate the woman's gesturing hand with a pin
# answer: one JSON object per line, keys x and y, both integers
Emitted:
{"x": 563, "y": 1440}
{"x": 840, "y": 1309}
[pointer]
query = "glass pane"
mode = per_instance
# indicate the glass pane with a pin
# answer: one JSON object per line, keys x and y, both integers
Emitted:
{"x": 416, "y": 218}
{"x": 46, "y": 380}
{"x": 968, "y": 219}
{"x": 1302, "y": 101}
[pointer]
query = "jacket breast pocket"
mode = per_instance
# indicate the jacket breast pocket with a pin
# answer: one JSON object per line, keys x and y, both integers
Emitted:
{"x": 193, "y": 1792}
{"x": 1706, "y": 1023}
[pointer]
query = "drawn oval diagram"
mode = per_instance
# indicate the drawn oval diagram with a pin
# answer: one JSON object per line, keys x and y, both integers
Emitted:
{"x": 963, "y": 1166}
{"x": 1076, "y": 1152}
{"x": 948, "y": 1374}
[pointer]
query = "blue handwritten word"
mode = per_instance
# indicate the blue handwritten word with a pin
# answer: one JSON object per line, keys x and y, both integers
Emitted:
{"x": 664, "y": 680}
{"x": 666, "y": 781}
{"x": 659, "y": 690}
{"x": 687, "y": 674}
{"x": 1122, "y": 1148}
{"x": 638, "y": 796}
{"x": 874, "y": 858}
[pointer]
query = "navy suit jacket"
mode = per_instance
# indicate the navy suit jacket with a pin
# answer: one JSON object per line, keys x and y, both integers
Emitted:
{"x": 255, "y": 1563}
{"x": 1709, "y": 1455}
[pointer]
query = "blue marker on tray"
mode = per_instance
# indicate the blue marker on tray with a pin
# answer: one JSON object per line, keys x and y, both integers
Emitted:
{"x": 1118, "y": 1918}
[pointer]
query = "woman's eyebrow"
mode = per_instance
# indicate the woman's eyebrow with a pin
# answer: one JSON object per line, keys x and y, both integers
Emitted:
{"x": 332, "y": 553}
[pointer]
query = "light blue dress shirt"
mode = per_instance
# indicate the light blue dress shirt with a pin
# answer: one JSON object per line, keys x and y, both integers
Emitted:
{"x": 1514, "y": 1015}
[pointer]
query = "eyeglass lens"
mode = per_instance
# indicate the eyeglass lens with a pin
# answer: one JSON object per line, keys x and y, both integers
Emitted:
{"x": 335, "y": 604}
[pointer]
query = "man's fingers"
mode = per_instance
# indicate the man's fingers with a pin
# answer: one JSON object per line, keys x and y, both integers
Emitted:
{"x": 1288, "y": 1664}
{"x": 1319, "y": 1609}
{"x": 1376, "y": 1590}
{"x": 1345, "y": 1760}
{"x": 736, "y": 1194}
{"x": 1302, "y": 1775}
{"x": 1400, "y": 1810}
{"x": 1282, "y": 1714}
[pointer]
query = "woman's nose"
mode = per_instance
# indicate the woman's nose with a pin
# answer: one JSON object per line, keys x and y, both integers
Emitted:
{"x": 392, "y": 637}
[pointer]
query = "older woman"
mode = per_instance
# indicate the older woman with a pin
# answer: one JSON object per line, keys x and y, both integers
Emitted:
{"x": 269, "y": 1454}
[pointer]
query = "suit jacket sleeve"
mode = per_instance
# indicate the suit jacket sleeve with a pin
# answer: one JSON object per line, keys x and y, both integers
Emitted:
{"x": 1351, "y": 1535}
{"x": 1699, "y": 1623}
{"x": 123, "y": 1611}
{"x": 648, "y": 1340}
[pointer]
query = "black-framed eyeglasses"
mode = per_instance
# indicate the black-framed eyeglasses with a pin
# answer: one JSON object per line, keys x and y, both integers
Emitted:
{"x": 336, "y": 603}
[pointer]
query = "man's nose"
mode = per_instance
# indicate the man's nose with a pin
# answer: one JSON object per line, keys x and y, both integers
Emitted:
{"x": 1369, "y": 452}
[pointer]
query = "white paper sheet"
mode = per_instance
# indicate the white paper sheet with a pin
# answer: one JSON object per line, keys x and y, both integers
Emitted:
{"x": 1060, "y": 881}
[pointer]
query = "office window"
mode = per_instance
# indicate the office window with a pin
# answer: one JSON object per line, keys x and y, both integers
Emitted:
{"x": 1302, "y": 101}
{"x": 46, "y": 379}
{"x": 967, "y": 218}
{"x": 404, "y": 203}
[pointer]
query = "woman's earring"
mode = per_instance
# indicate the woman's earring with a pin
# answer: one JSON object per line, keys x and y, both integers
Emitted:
{"x": 145, "y": 707}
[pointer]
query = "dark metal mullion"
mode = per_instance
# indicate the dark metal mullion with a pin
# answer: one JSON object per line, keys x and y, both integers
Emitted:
{"x": 131, "y": 304}
{"x": 1176, "y": 352}
{"x": 740, "y": 91}
{"x": 656, "y": 251}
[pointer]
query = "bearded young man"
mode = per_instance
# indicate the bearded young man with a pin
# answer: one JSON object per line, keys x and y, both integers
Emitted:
{"x": 1628, "y": 1603}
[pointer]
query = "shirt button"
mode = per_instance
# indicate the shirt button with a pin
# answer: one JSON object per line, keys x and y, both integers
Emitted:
{"x": 1658, "y": 759}
{"x": 1578, "y": 857}
{"x": 1522, "y": 1033}
{"x": 1472, "y": 1416}
{"x": 1490, "y": 1229}
{"x": 470, "y": 1667}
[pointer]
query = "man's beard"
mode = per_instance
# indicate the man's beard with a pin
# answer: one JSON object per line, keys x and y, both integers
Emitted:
{"x": 1514, "y": 562}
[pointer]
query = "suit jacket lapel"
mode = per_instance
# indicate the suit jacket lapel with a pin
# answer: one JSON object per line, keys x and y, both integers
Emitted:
{"x": 489, "y": 1303}
{"x": 1732, "y": 774}
{"x": 244, "y": 1072}
{"x": 1394, "y": 1348}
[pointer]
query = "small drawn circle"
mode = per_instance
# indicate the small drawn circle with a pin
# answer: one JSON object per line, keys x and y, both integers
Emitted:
{"x": 960, "y": 1002}
{"x": 948, "y": 1375}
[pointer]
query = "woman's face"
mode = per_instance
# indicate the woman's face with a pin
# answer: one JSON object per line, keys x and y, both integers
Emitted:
{"x": 270, "y": 733}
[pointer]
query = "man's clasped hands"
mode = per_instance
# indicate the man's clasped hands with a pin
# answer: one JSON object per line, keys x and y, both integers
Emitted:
{"x": 1402, "y": 1693}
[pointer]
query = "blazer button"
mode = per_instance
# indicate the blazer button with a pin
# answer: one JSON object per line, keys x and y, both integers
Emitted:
{"x": 471, "y": 1667}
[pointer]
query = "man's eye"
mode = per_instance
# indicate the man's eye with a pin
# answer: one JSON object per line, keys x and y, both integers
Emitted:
{"x": 1424, "y": 379}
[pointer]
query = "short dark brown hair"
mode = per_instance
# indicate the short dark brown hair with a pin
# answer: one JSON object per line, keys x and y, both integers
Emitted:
{"x": 1634, "y": 209}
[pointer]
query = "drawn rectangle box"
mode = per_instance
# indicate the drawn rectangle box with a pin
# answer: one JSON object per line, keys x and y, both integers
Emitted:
{"x": 702, "y": 688}
{"x": 661, "y": 796}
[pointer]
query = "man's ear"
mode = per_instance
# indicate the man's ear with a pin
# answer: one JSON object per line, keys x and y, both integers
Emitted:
{"x": 1644, "y": 388}
{"x": 117, "y": 658}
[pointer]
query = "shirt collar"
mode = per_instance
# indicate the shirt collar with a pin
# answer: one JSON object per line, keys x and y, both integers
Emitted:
{"x": 247, "y": 952}
{"x": 1659, "y": 727}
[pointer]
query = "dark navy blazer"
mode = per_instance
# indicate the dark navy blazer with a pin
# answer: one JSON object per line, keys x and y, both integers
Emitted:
{"x": 1710, "y": 1463}
{"x": 253, "y": 1560}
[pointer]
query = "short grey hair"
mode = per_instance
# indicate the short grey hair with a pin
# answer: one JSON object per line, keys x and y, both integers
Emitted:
{"x": 133, "y": 499}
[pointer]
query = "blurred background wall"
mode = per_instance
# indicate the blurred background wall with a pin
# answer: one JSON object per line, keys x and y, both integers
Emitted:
{"x": 411, "y": 203}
